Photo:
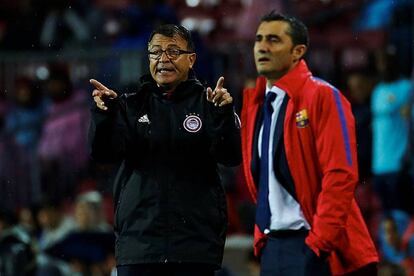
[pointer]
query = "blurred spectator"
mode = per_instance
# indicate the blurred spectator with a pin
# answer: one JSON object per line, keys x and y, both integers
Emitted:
{"x": 16, "y": 255}
{"x": 396, "y": 243}
{"x": 408, "y": 246}
{"x": 86, "y": 252}
{"x": 136, "y": 21}
{"x": 253, "y": 10}
{"x": 360, "y": 85}
{"x": 13, "y": 175}
{"x": 24, "y": 125}
{"x": 390, "y": 108}
{"x": 26, "y": 117}
{"x": 62, "y": 148}
{"x": 89, "y": 215}
{"x": 63, "y": 26}
{"x": 27, "y": 220}
{"x": 54, "y": 224}
{"x": 396, "y": 19}
{"x": 376, "y": 14}
{"x": 392, "y": 228}
{"x": 88, "y": 246}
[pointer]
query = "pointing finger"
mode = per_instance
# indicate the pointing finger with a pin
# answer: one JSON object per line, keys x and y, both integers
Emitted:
{"x": 98, "y": 85}
{"x": 220, "y": 83}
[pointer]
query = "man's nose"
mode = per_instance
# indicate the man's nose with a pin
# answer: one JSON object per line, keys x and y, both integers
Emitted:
{"x": 262, "y": 47}
{"x": 263, "y": 50}
{"x": 164, "y": 57}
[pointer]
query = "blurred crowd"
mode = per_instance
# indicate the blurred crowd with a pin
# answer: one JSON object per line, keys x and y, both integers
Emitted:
{"x": 55, "y": 202}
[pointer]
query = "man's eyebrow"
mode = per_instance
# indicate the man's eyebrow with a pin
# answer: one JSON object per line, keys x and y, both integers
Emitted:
{"x": 168, "y": 46}
{"x": 272, "y": 36}
{"x": 268, "y": 36}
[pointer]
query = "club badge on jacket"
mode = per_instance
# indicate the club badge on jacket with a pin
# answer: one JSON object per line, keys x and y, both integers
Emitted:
{"x": 302, "y": 119}
{"x": 192, "y": 123}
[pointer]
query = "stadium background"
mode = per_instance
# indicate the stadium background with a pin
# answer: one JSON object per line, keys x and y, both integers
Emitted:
{"x": 47, "y": 47}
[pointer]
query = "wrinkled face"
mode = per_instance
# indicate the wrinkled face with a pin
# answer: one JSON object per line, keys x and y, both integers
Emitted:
{"x": 274, "y": 52}
{"x": 168, "y": 71}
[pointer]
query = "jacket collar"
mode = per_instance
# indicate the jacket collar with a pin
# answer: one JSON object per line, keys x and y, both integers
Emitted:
{"x": 291, "y": 82}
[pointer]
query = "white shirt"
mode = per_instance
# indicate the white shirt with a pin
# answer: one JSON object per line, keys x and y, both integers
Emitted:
{"x": 285, "y": 211}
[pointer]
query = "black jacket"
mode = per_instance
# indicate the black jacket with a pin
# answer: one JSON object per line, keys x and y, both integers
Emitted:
{"x": 170, "y": 204}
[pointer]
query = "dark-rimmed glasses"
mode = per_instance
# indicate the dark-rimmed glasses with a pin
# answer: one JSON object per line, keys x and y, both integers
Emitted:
{"x": 171, "y": 53}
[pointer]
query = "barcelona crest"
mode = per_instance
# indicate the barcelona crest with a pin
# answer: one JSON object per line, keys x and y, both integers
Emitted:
{"x": 302, "y": 119}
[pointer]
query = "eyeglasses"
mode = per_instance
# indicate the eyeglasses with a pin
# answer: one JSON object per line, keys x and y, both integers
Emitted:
{"x": 171, "y": 53}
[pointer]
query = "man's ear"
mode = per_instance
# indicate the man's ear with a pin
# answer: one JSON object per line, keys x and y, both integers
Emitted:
{"x": 192, "y": 58}
{"x": 299, "y": 51}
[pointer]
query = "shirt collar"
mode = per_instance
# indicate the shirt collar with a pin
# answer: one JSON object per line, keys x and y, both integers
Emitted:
{"x": 279, "y": 92}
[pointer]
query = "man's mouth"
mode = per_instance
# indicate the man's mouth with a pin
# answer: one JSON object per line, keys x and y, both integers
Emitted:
{"x": 263, "y": 59}
{"x": 164, "y": 70}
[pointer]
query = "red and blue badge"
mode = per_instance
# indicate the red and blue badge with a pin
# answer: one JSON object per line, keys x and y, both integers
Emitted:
{"x": 302, "y": 119}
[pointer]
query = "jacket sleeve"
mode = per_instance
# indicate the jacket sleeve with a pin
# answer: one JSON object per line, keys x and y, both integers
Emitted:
{"x": 334, "y": 132}
{"x": 107, "y": 133}
{"x": 224, "y": 132}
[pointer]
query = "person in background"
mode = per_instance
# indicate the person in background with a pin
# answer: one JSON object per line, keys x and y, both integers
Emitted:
{"x": 299, "y": 157}
{"x": 89, "y": 215}
{"x": 54, "y": 224}
{"x": 26, "y": 117}
{"x": 24, "y": 124}
{"x": 62, "y": 151}
{"x": 63, "y": 26}
{"x": 16, "y": 254}
{"x": 170, "y": 135}
{"x": 391, "y": 112}
{"x": 360, "y": 85}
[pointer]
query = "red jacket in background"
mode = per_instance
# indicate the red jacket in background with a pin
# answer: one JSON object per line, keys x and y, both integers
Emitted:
{"x": 320, "y": 144}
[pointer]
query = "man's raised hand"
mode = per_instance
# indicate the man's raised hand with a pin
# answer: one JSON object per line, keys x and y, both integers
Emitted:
{"x": 220, "y": 96}
{"x": 101, "y": 93}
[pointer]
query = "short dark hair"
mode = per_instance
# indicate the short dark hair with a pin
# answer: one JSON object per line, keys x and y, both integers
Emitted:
{"x": 171, "y": 30}
{"x": 298, "y": 30}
